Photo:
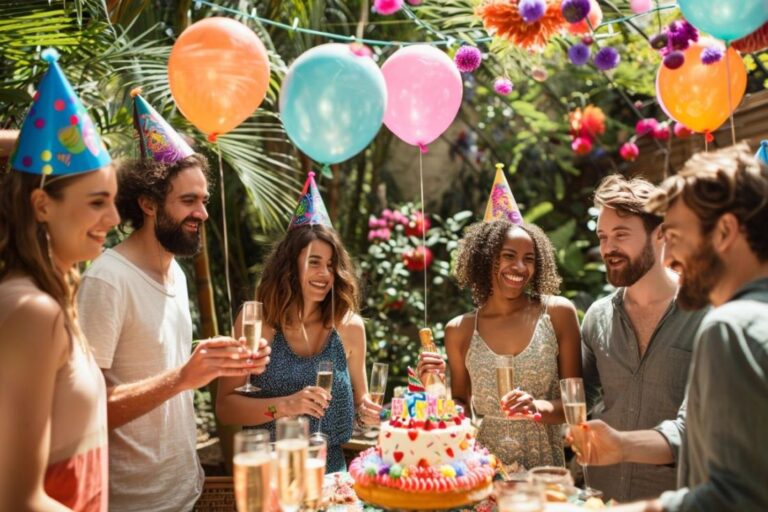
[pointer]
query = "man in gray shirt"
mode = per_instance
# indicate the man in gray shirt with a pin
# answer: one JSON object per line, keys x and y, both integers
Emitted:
{"x": 715, "y": 227}
{"x": 636, "y": 342}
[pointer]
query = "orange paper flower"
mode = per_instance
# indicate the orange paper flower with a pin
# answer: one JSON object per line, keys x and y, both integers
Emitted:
{"x": 501, "y": 18}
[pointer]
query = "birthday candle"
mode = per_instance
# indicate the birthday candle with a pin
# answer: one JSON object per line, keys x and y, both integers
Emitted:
{"x": 421, "y": 410}
{"x": 397, "y": 407}
{"x": 431, "y": 405}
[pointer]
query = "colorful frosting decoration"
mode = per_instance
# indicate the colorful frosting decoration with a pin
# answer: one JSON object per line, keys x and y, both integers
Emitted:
{"x": 158, "y": 141}
{"x": 501, "y": 203}
{"x": 311, "y": 209}
{"x": 58, "y": 137}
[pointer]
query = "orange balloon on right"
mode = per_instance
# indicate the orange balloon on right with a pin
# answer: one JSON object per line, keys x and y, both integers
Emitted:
{"x": 696, "y": 94}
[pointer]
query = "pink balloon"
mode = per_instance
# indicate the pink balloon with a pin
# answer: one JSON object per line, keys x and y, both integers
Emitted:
{"x": 424, "y": 93}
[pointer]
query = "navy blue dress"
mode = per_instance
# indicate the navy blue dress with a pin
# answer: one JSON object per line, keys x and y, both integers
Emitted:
{"x": 288, "y": 373}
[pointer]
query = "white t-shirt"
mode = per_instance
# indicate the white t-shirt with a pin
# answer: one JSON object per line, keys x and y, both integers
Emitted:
{"x": 139, "y": 328}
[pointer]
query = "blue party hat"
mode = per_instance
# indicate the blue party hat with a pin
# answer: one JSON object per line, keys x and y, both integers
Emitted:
{"x": 501, "y": 203}
{"x": 762, "y": 153}
{"x": 157, "y": 139}
{"x": 58, "y": 137}
{"x": 311, "y": 209}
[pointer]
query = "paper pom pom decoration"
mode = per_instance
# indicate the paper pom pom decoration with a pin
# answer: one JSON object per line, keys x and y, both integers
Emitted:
{"x": 502, "y": 18}
{"x": 468, "y": 59}
{"x": 502, "y": 86}
{"x": 575, "y": 10}
{"x": 387, "y": 7}
{"x": 532, "y": 10}
{"x": 579, "y": 54}
{"x": 711, "y": 55}
{"x": 607, "y": 58}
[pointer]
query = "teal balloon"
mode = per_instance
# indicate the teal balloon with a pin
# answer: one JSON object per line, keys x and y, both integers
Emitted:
{"x": 725, "y": 19}
{"x": 332, "y": 102}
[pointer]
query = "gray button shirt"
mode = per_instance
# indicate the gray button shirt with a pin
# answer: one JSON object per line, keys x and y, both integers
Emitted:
{"x": 724, "y": 459}
{"x": 630, "y": 393}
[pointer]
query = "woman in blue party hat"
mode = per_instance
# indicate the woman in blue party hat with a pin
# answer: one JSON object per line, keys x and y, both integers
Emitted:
{"x": 56, "y": 209}
{"x": 310, "y": 296}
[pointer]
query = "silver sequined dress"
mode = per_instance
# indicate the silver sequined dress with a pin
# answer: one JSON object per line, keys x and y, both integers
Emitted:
{"x": 536, "y": 371}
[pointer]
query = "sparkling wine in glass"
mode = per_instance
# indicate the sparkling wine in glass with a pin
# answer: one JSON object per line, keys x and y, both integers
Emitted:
{"x": 325, "y": 375}
{"x": 291, "y": 447}
{"x": 253, "y": 471}
{"x": 376, "y": 390}
{"x": 575, "y": 409}
{"x": 252, "y": 317}
{"x": 317, "y": 454}
{"x": 505, "y": 382}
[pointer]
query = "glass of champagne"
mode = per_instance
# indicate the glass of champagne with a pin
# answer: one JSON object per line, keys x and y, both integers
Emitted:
{"x": 505, "y": 382}
{"x": 253, "y": 471}
{"x": 518, "y": 497}
{"x": 317, "y": 454}
{"x": 324, "y": 380}
{"x": 376, "y": 390}
{"x": 575, "y": 409}
{"x": 291, "y": 447}
{"x": 556, "y": 482}
{"x": 252, "y": 316}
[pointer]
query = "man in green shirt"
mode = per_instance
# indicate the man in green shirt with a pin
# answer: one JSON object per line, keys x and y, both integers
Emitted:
{"x": 716, "y": 229}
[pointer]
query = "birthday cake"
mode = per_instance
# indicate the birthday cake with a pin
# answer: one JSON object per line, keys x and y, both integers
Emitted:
{"x": 426, "y": 458}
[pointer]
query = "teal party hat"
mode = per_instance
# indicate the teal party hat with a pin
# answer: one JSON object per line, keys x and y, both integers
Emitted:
{"x": 311, "y": 209}
{"x": 157, "y": 139}
{"x": 58, "y": 137}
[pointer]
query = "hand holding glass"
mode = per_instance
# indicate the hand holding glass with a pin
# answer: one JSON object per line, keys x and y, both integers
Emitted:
{"x": 575, "y": 409}
{"x": 252, "y": 316}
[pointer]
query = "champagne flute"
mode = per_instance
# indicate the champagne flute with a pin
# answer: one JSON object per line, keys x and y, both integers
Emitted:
{"x": 575, "y": 409}
{"x": 253, "y": 471}
{"x": 376, "y": 390}
{"x": 505, "y": 382}
{"x": 291, "y": 446}
{"x": 324, "y": 380}
{"x": 317, "y": 454}
{"x": 252, "y": 316}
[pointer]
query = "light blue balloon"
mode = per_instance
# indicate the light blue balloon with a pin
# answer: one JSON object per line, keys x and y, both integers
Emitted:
{"x": 332, "y": 102}
{"x": 725, "y": 19}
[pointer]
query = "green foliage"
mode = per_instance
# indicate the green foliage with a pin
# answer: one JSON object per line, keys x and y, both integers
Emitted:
{"x": 394, "y": 295}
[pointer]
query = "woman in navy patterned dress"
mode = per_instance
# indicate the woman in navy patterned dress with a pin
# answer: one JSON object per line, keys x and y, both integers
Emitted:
{"x": 310, "y": 296}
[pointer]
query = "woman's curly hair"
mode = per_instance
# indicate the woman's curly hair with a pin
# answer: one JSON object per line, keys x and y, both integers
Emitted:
{"x": 479, "y": 253}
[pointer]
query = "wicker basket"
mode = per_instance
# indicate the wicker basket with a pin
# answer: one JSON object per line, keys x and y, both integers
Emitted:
{"x": 218, "y": 495}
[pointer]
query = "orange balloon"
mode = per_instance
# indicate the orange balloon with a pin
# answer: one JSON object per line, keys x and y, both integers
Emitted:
{"x": 696, "y": 94}
{"x": 218, "y": 72}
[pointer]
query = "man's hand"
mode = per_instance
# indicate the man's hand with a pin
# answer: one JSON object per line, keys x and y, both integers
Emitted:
{"x": 595, "y": 443}
{"x": 221, "y": 357}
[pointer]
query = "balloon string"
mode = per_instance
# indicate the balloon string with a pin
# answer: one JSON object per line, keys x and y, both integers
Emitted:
{"x": 423, "y": 230}
{"x": 226, "y": 243}
{"x": 730, "y": 100}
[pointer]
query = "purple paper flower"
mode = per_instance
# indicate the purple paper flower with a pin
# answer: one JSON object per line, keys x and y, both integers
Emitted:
{"x": 674, "y": 59}
{"x": 575, "y": 10}
{"x": 502, "y": 86}
{"x": 468, "y": 59}
{"x": 691, "y": 31}
{"x": 579, "y": 54}
{"x": 607, "y": 58}
{"x": 531, "y": 10}
{"x": 711, "y": 54}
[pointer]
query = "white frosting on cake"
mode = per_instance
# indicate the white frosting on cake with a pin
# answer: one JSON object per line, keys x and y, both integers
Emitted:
{"x": 437, "y": 446}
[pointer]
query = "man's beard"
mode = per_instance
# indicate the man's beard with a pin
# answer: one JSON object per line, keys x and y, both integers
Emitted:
{"x": 174, "y": 238}
{"x": 634, "y": 269}
{"x": 701, "y": 273}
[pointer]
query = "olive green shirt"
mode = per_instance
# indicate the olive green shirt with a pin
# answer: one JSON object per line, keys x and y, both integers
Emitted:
{"x": 630, "y": 392}
{"x": 723, "y": 462}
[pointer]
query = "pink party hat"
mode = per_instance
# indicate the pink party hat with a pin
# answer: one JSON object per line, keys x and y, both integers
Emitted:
{"x": 311, "y": 209}
{"x": 501, "y": 203}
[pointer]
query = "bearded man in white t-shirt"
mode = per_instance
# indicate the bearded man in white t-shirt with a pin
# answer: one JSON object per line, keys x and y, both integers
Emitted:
{"x": 134, "y": 311}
